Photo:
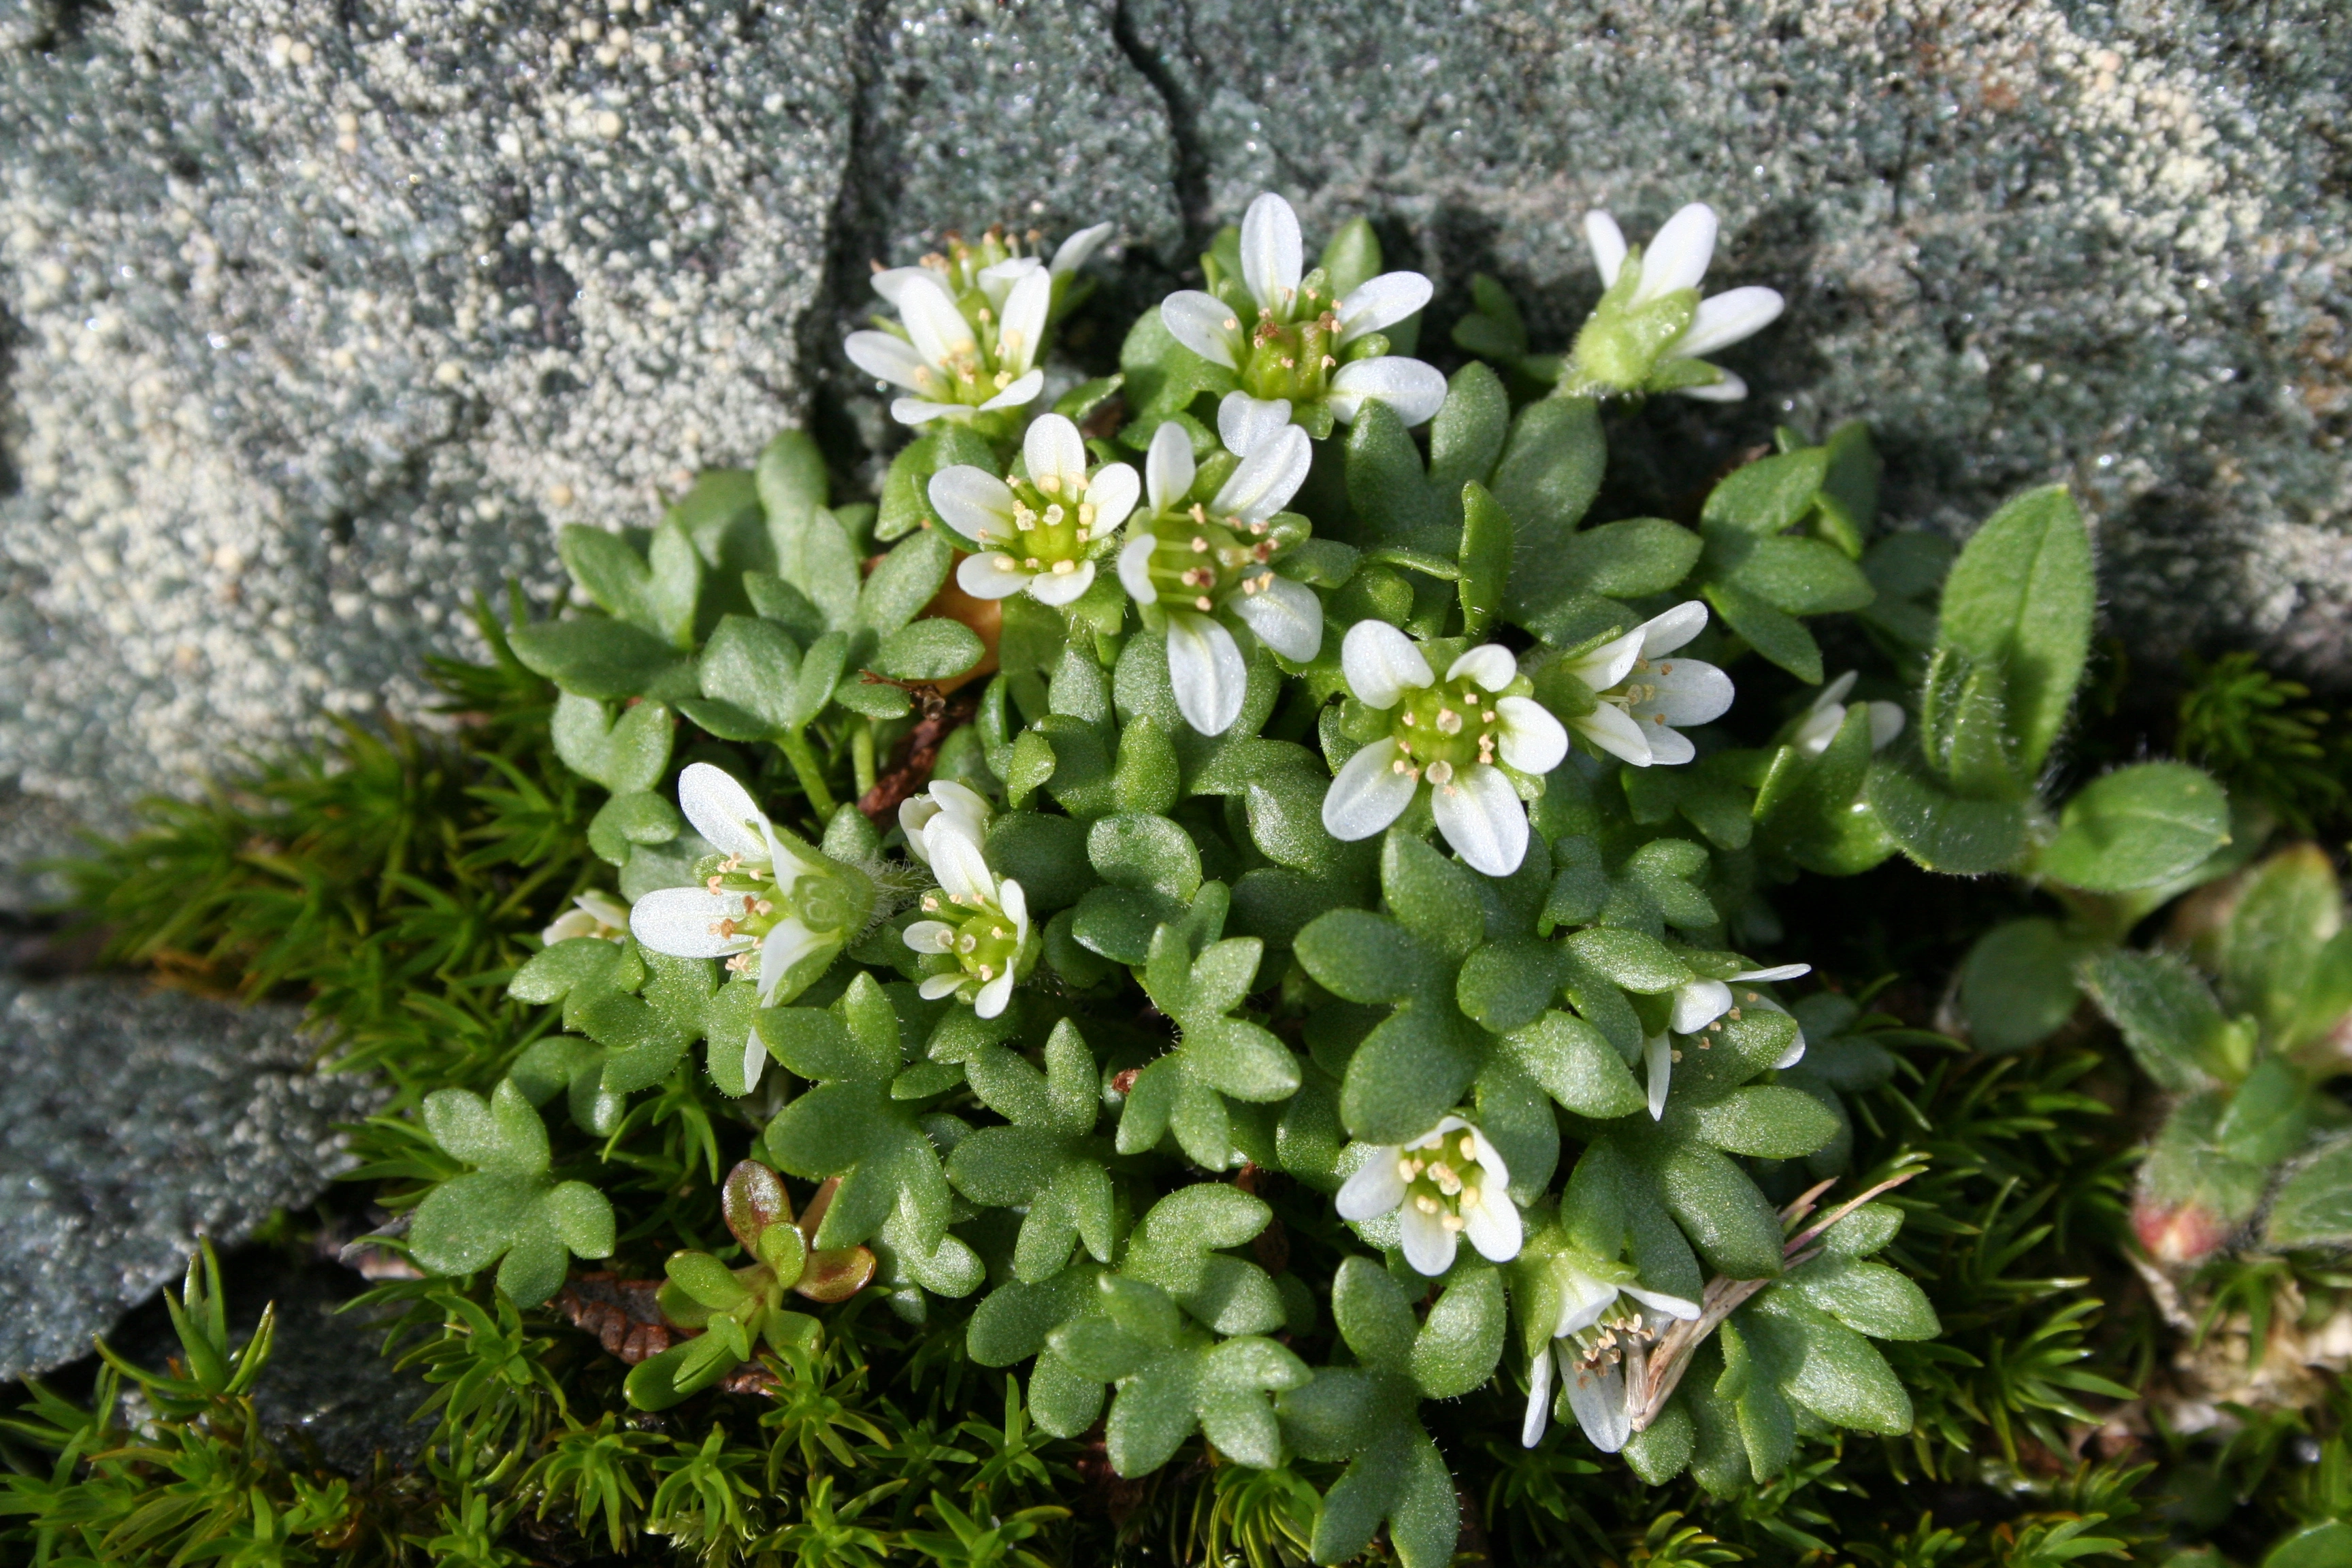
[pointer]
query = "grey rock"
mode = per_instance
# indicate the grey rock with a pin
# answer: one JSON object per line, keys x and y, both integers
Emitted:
{"x": 132, "y": 1121}
{"x": 322, "y": 315}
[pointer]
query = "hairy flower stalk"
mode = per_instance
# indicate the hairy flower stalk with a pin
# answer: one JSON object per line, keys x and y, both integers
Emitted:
{"x": 1651, "y": 329}
{"x": 1604, "y": 1318}
{"x": 982, "y": 944}
{"x": 1443, "y": 1185}
{"x": 1461, "y": 739}
{"x": 1630, "y": 701}
{"x": 1041, "y": 531}
{"x": 1292, "y": 344}
{"x": 1199, "y": 572}
{"x": 971, "y": 330}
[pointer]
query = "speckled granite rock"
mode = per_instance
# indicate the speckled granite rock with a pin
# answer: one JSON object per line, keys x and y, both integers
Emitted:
{"x": 409, "y": 281}
{"x": 133, "y": 1120}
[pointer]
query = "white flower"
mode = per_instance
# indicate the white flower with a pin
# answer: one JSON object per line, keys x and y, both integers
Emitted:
{"x": 1042, "y": 531}
{"x": 1624, "y": 347}
{"x": 1449, "y": 735}
{"x": 1288, "y": 352}
{"x": 1642, "y": 699}
{"x": 772, "y": 905}
{"x": 593, "y": 913}
{"x": 1445, "y": 1184}
{"x": 948, "y": 805}
{"x": 1185, "y": 566}
{"x": 1826, "y": 717}
{"x": 993, "y": 265}
{"x": 988, "y": 943}
{"x": 1697, "y": 1004}
{"x": 1588, "y": 1347}
{"x": 952, "y": 367}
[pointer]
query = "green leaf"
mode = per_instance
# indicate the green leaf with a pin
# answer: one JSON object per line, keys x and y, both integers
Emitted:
{"x": 753, "y": 666}
{"x": 1767, "y": 496}
{"x": 1731, "y": 1223}
{"x": 626, "y": 755}
{"x": 2166, "y": 1015}
{"x": 590, "y": 655}
{"x": 2138, "y": 826}
{"x": 1485, "y": 557}
{"x": 1630, "y": 959}
{"x": 1469, "y": 429}
{"x": 1942, "y": 831}
{"x": 627, "y": 820}
{"x": 2017, "y": 984}
{"x": 2314, "y": 1205}
{"x": 1130, "y": 849}
{"x": 2020, "y": 599}
{"x": 1769, "y": 1122}
{"x": 933, "y": 649}
{"x": 902, "y": 583}
{"x": 1777, "y": 637}
{"x": 1546, "y": 478}
{"x": 1576, "y": 1066}
{"x": 1868, "y": 1298}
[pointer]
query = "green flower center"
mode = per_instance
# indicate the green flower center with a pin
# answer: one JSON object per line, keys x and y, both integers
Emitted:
{"x": 987, "y": 942}
{"x": 838, "y": 902}
{"x": 1053, "y": 524}
{"x": 1445, "y": 728}
{"x": 1446, "y": 1179}
{"x": 1618, "y": 346}
{"x": 1198, "y": 563}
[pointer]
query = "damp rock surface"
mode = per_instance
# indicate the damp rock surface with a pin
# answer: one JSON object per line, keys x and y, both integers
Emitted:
{"x": 134, "y": 1121}
{"x": 317, "y": 317}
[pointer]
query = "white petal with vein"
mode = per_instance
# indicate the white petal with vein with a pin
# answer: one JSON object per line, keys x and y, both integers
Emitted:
{"x": 723, "y": 811}
{"x": 1206, "y": 670}
{"x": 1381, "y": 663}
{"x": 1481, "y": 816}
{"x": 1367, "y": 794}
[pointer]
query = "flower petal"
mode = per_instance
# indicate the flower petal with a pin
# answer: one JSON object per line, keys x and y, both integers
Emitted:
{"x": 1607, "y": 242}
{"x": 930, "y": 936}
{"x": 1538, "y": 1416}
{"x": 965, "y": 808}
{"x": 1075, "y": 251}
{"x": 1429, "y": 1246}
{"x": 1678, "y": 255}
{"x": 1205, "y": 325}
{"x": 921, "y": 411}
{"x": 1481, "y": 816}
{"x": 1135, "y": 568}
{"x": 1168, "y": 468}
{"x": 1382, "y": 302}
{"x": 1658, "y": 1057}
{"x": 1583, "y": 1302}
{"x": 974, "y": 502}
{"x": 723, "y": 811}
{"x": 606, "y": 909}
{"x": 755, "y": 1060}
{"x": 1490, "y": 1158}
{"x": 1488, "y": 664}
{"x": 1666, "y": 632}
{"x": 1697, "y": 1004}
{"x": 993, "y": 996}
{"x": 1112, "y": 492}
{"x": 1058, "y": 588}
{"x": 1686, "y": 692}
{"x": 1414, "y": 390}
{"x": 892, "y": 281}
{"x": 1672, "y": 1306}
{"x": 1493, "y": 1226}
{"x": 1833, "y": 694}
{"x": 1244, "y": 421}
{"x": 677, "y": 921}
{"x": 1886, "y": 721}
{"x": 1273, "y": 255}
{"x": 1598, "y": 1400}
{"x": 1367, "y": 794}
{"x": 1732, "y": 388}
{"x": 989, "y": 575}
{"x": 936, "y": 327}
{"x": 1276, "y": 465}
{"x": 784, "y": 947}
{"x": 890, "y": 359}
{"x": 1777, "y": 971}
{"x": 1020, "y": 329}
{"x": 1669, "y": 748}
{"x": 1287, "y": 618}
{"x": 1608, "y": 729}
{"x": 1820, "y": 728}
{"x": 1374, "y": 1189}
{"x": 1014, "y": 902}
{"x": 1727, "y": 318}
{"x": 997, "y": 279}
{"x": 961, "y": 868}
{"x": 1607, "y": 666}
{"x": 1206, "y": 671}
{"x": 1054, "y": 447}
{"x": 1533, "y": 741}
{"x": 935, "y": 986}
{"x": 1020, "y": 395}
{"x": 1381, "y": 663}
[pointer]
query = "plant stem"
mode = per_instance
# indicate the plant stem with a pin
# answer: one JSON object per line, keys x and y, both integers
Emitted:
{"x": 861, "y": 757}
{"x": 809, "y": 771}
